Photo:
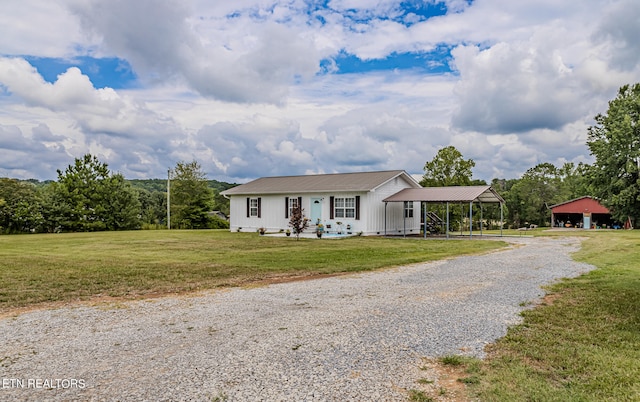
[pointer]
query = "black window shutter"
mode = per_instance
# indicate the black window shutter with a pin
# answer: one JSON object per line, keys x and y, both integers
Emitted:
{"x": 300, "y": 203}
{"x": 286, "y": 207}
{"x": 259, "y": 207}
{"x": 331, "y": 200}
{"x": 357, "y": 207}
{"x": 248, "y": 207}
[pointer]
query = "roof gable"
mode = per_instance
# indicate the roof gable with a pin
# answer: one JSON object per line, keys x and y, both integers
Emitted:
{"x": 580, "y": 205}
{"x": 336, "y": 182}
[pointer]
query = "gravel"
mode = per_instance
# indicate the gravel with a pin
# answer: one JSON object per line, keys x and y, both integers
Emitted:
{"x": 347, "y": 338}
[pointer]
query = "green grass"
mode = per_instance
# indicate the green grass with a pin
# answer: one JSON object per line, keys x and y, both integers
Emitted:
{"x": 418, "y": 396}
{"x": 584, "y": 345}
{"x": 79, "y": 266}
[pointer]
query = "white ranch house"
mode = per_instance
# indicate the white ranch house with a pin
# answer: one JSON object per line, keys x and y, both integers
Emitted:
{"x": 346, "y": 202}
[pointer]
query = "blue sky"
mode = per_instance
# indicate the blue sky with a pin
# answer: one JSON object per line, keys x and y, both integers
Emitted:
{"x": 253, "y": 88}
{"x": 103, "y": 72}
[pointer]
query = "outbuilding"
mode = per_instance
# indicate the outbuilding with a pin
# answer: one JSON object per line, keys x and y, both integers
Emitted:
{"x": 584, "y": 212}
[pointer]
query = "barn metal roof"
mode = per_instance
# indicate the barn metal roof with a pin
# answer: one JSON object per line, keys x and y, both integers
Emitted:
{"x": 447, "y": 194}
{"x": 580, "y": 205}
{"x": 337, "y": 182}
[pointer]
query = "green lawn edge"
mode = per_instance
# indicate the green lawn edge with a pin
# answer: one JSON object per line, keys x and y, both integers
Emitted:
{"x": 583, "y": 342}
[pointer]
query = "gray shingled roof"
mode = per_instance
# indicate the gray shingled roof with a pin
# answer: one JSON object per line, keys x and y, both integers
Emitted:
{"x": 337, "y": 182}
{"x": 447, "y": 194}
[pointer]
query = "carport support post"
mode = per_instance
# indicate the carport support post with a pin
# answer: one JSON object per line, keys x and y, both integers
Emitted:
{"x": 385, "y": 219}
{"x": 501, "y": 222}
{"x": 461, "y": 216}
{"x": 471, "y": 220}
{"x": 426, "y": 205}
{"x": 404, "y": 219}
{"x": 447, "y": 228}
{"x": 480, "y": 218}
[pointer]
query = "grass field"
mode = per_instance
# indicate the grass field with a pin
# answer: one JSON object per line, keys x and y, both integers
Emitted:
{"x": 583, "y": 344}
{"x": 43, "y": 268}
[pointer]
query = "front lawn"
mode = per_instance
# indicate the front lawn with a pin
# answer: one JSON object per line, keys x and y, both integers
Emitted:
{"x": 79, "y": 266}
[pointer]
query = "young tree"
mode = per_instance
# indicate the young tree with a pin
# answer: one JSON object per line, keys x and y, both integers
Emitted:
{"x": 615, "y": 143}
{"x": 448, "y": 168}
{"x": 298, "y": 221}
{"x": 191, "y": 197}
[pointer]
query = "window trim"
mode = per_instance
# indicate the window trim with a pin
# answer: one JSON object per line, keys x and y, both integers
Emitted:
{"x": 345, "y": 207}
{"x": 408, "y": 209}
{"x": 254, "y": 207}
{"x": 292, "y": 202}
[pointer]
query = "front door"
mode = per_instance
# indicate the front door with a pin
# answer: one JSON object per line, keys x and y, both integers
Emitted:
{"x": 316, "y": 210}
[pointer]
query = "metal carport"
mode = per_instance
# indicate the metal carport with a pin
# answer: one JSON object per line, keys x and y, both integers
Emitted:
{"x": 442, "y": 195}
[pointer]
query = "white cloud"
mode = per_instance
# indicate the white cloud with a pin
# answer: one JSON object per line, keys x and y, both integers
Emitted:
{"x": 237, "y": 85}
{"x": 620, "y": 26}
{"x": 515, "y": 87}
{"x": 42, "y": 28}
{"x": 254, "y": 64}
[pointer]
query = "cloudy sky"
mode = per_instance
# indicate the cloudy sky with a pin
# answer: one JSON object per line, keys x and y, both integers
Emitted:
{"x": 253, "y": 88}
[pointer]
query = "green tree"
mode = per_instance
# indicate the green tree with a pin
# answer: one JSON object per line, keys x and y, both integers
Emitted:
{"x": 448, "y": 168}
{"x": 20, "y": 207}
{"x": 531, "y": 196}
{"x": 614, "y": 141}
{"x": 574, "y": 181}
{"x": 528, "y": 198}
{"x": 191, "y": 197}
{"x": 121, "y": 204}
{"x": 88, "y": 198}
{"x": 153, "y": 205}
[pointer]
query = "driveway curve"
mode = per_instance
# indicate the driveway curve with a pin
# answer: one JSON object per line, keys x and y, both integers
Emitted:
{"x": 348, "y": 338}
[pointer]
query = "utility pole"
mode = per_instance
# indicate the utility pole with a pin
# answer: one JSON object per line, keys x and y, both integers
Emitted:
{"x": 169, "y": 199}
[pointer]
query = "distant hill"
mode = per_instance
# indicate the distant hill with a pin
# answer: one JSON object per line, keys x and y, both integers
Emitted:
{"x": 161, "y": 184}
{"x": 149, "y": 184}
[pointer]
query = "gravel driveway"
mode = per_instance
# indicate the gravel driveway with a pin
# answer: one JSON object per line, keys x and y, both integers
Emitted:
{"x": 356, "y": 337}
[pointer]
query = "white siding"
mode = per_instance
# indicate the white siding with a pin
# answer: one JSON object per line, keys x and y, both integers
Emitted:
{"x": 272, "y": 213}
{"x": 395, "y": 211}
{"x": 372, "y": 212}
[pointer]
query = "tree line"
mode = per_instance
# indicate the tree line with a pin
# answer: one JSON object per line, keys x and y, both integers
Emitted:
{"x": 88, "y": 197}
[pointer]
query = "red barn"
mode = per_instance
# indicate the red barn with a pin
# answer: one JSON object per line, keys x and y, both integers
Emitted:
{"x": 584, "y": 212}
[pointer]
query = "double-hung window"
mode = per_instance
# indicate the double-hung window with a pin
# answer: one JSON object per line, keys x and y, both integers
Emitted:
{"x": 293, "y": 203}
{"x": 345, "y": 207}
{"x": 408, "y": 209}
{"x": 253, "y": 207}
